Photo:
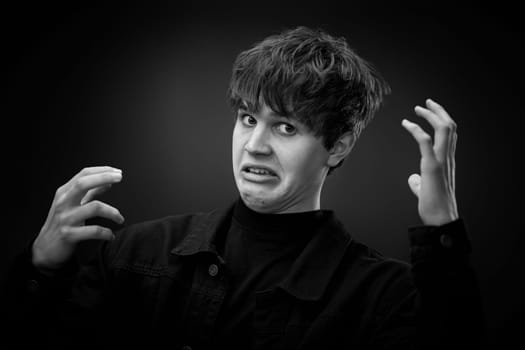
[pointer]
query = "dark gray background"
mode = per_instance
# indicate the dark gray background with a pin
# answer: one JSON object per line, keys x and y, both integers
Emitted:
{"x": 144, "y": 89}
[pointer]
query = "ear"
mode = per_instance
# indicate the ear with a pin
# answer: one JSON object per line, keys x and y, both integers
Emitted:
{"x": 341, "y": 149}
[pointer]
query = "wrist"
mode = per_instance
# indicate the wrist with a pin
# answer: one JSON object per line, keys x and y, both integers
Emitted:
{"x": 439, "y": 220}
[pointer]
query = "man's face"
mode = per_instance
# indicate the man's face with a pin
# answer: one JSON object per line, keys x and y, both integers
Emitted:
{"x": 278, "y": 164}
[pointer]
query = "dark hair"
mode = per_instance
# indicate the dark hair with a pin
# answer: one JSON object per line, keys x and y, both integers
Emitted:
{"x": 311, "y": 76}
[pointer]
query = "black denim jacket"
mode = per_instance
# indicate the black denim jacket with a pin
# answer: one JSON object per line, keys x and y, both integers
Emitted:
{"x": 162, "y": 283}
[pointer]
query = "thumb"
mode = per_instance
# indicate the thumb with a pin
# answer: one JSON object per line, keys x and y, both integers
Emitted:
{"x": 414, "y": 182}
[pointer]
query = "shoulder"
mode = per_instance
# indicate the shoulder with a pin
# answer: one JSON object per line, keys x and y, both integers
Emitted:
{"x": 362, "y": 269}
{"x": 376, "y": 272}
{"x": 359, "y": 258}
{"x": 371, "y": 259}
{"x": 168, "y": 227}
{"x": 152, "y": 241}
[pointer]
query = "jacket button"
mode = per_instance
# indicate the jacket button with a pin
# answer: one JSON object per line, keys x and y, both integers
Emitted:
{"x": 446, "y": 241}
{"x": 213, "y": 270}
{"x": 33, "y": 286}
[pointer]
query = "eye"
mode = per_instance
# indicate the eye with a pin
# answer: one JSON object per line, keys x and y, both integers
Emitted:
{"x": 248, "y": 120}
{"x": 286, "y": 129}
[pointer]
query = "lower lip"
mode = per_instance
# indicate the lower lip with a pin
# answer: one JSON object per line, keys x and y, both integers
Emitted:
{"x": 258, "y": 177}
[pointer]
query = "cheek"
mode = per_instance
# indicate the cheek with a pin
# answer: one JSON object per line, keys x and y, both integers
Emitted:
{"x": 236, "y": 146}
{"x": 303, "y": 162}
{"x": 294, "y": 162}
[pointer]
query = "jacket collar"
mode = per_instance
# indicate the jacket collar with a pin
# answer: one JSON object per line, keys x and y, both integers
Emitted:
{"x": 310, "y": 273}
{"x": 204, "y": 231}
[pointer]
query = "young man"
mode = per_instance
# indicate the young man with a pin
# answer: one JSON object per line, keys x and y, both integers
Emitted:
{"x": 273, "y": 270}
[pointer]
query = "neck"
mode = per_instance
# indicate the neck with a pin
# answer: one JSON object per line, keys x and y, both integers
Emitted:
{"x": 291, "y": 222}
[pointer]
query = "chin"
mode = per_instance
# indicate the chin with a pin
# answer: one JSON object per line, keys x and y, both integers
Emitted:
{"x": 258, "y": 203}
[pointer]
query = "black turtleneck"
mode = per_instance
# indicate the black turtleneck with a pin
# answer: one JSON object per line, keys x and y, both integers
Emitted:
{"x": 258, "y": 251}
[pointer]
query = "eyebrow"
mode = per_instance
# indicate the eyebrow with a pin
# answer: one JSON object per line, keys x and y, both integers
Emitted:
{"x": 244, "y": 107}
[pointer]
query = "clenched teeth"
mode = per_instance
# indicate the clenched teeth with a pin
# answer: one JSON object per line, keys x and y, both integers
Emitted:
{"x": 259, "y": 171}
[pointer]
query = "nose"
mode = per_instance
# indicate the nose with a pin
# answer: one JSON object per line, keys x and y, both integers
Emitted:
{"x": 258, "y": 142}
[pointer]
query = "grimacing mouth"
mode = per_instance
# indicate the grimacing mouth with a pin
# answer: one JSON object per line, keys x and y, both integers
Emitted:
{"x": 258, "y": 169}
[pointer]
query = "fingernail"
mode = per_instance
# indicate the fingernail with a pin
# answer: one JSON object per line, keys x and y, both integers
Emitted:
{"x": 117, "y": 169}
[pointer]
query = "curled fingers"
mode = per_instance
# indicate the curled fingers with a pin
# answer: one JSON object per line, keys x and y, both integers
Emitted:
{"x": 74, "y": 234}
{"x": 90, "y": 210}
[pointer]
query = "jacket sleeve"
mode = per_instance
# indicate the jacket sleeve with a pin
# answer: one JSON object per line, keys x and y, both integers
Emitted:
{"x": 448, "y": 305}
{"x": 433, "y": 303}
{"x": 41, "y": 308}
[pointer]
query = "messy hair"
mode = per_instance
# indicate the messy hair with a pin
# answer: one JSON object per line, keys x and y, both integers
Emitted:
{"x": 310, "y": 76}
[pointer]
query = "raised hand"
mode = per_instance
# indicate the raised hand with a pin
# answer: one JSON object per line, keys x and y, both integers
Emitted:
{"x": 72, "y": 205}
{"x": 435, "y": 187}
